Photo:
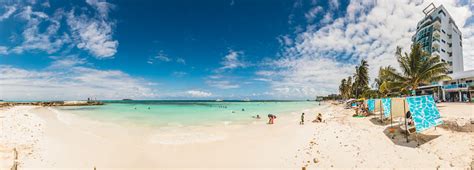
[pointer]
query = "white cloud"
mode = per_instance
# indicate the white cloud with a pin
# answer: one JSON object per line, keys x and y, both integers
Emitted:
{"x": 197, "y": 93}
{"x": 101, "y": 6}
{"x": 232, "y": 61}
{"x": 66, "y": 62}
{"x": 311, "y": 14}
{"x": 76, "y": 83}
{"x": 9, "y": 10}
{"x": 163, "y": 58}
{"x": 3, "y": 50}
{"x": 285, "y": 40}
{"x": 370, "y": 30}
{"x": 222, "y": 84}
{"x": 33, "y": 39}
{"x": 181, "y": 61}
{"x": 94, "y": 34}
{"x": 179, "y": 74}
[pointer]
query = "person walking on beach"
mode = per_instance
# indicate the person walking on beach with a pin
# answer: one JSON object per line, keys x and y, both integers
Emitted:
{"x": 302, "y": 119}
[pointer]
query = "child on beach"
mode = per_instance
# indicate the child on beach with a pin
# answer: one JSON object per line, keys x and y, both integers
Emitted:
{"x": 302, "y": 119}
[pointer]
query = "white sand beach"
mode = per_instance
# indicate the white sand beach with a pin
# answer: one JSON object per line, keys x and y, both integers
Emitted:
{"x": 47, "y": 139}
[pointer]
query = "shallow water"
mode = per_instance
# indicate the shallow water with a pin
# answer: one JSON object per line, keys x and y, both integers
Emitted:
{"x": 185, "y": 113}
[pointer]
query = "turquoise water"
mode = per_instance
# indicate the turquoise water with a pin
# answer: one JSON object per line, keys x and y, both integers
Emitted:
{"x": 177, "y": 113}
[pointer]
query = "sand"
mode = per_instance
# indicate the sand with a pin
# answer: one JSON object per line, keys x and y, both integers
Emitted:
{"x": 48, "y": 139}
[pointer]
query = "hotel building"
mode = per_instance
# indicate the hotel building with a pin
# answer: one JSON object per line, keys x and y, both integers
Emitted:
{"x": 440, "y": 36}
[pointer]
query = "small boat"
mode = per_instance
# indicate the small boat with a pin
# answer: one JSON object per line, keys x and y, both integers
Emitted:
{"x": 246, "y": 100}
{"x": 219, "y": 100}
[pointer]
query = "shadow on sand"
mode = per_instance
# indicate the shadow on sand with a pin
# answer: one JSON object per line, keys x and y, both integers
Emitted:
{"x": 376, "y": 121}
{"x": 414, "y": 140}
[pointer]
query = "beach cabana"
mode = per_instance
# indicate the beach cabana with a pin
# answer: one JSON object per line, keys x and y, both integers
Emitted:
{"x": 374, "y": 105}
{"x": 423, "y": 111}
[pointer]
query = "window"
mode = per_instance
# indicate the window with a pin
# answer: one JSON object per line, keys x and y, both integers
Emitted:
{"x": 443, "y": 41}
{"x": 443, "y": 31}
{"x": 469, "y": 81}
{"x": 443, "y": 50}
{"x": 444, "y": 61}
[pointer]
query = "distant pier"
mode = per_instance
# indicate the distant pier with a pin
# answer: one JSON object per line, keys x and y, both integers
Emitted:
{"x": 54, "y": 103}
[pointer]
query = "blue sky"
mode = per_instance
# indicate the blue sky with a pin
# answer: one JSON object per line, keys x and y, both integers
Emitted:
{"x": 229, "y": 49}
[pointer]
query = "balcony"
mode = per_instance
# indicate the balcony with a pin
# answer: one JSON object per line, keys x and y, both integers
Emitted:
{"x": 436, "y": 25}
{"x": 455, "y": 86}
{"x": 435, "y": 47}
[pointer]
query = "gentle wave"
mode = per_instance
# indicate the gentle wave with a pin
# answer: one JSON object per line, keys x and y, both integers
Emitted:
{"x": 61, "y": 116}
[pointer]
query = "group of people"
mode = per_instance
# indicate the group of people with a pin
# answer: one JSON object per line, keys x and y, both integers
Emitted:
{"x": 319, "y": 118}
{"x": 272, "y": 117}
{"x": 361, "y": 110}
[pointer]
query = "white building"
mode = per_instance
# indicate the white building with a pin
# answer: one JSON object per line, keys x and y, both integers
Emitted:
{"x": 440, "y": 36}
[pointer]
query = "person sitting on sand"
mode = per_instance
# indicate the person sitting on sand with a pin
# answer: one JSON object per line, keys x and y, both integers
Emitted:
{"x": 256, "y": 117}
{"x": 302, "y": 119}
{"x": 409, "y": 118}
{"x": 361, "y": 110}
{"x": 318, "y": 119}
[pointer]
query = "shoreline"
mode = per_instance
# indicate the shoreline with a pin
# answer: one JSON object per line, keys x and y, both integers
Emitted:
{"x": 340, "y": 142}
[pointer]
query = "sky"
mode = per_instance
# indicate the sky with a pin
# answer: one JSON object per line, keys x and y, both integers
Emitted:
{"x": 209, "y": 49}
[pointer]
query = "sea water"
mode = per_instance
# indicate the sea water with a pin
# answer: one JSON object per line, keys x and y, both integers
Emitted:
{"x": 165, "y": 113}
{"x": 183, "y": 122}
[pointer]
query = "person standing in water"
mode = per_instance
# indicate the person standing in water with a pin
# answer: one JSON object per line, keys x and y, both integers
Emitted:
{"x": 302, "y": 119}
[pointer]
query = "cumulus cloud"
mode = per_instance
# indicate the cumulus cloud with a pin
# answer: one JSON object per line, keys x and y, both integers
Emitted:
{"x": 76, "y": 83}
{"x": 233, "y": 60}
{"x": 198, "y": 93}
{"x": 322, "y": 56}
{"x": 9, "y": 10}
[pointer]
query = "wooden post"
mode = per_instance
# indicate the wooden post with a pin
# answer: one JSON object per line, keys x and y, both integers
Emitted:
{"x": 15, "y": 161}
{"x": 380, "y": 111}
{"x": 391, "y": 119}
{"x": 405, "y": 115}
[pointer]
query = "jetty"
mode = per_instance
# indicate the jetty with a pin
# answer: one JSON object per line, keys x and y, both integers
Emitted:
{"x": 54, "y": 103}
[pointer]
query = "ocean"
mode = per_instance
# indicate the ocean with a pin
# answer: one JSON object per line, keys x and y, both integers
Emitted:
{"x": 185, "y": 113}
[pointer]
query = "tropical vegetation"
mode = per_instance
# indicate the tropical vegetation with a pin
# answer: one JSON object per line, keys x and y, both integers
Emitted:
{"x": 418, "y": 68}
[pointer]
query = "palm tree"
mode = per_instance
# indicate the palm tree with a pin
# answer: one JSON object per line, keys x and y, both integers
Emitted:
{"x": 418, "y": 68}
{"x": 342, "y": 88}
{"x": 361, "y": 82}
{"x": 383, "y": 81}
{"x": 348, "y": 90}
